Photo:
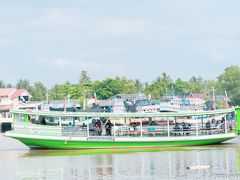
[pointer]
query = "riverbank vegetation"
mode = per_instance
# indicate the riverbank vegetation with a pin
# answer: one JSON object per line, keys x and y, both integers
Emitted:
{"x": 163, "y": 85}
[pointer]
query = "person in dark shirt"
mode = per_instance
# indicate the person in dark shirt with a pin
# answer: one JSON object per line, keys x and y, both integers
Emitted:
{"x": 177, "y": 128}
{"x": 108, "y": 127}
{"x": 208, "y": 125}
{"x": 43, "y": 122}
{"x": 184, "y": 126}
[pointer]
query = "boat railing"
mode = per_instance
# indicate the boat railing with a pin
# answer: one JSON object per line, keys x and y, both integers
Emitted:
{"x": 164, "y": 131}
{"x": 74, "y": 131}
{"x": 122, "y": 131}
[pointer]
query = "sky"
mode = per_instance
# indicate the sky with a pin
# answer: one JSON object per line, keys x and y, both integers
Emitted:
{"x": 54, "y": 40}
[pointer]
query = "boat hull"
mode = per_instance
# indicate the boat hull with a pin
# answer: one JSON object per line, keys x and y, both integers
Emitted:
{"x": 117, "y": 143}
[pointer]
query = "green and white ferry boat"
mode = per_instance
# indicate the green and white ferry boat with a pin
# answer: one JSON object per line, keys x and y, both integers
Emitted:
{"x": 65, "y": 130}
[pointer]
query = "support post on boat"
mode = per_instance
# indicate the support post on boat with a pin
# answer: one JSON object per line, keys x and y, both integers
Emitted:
{"x": 60, "y": 122}
{"x": 141, "y": 129}
{"x": 168, "y": 128}
{"x": 114, "y": 129}
{"x": 196, "y": 122}
{"x": 87, "y": 130}
{"x": 225, "y": 123}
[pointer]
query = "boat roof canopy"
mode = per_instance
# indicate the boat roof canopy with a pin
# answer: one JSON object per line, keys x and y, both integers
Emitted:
{"x": 122, "y": 115}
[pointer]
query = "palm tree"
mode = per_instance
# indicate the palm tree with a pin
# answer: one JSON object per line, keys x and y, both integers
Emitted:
{"x": 84, "y": 77}
{"x": 138, "y": 85}
{"x": 2, "y": 84}
{"x": 164, "y": 78}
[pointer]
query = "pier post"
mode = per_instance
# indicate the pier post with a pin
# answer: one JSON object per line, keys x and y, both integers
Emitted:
{"x": 238, "y": 120}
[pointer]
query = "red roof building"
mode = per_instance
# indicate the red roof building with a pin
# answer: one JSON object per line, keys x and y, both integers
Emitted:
{"x": 13, "y": 96}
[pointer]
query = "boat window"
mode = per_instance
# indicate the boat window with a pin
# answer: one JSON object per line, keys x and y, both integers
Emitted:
{"x": 19, "y": 118}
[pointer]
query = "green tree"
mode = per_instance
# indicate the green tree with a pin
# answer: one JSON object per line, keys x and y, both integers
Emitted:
{"x": 181, "y": 87}
{"x": 196, "y": 84}
{"x": 164, "y": 78}
{"x": 9, "y": 86}
{"x": 23, "y": 84}
{"x": 60, "y": 91}
{"x": 84, "y": 77}
{"x": 107, "y": 88}
{"x": 138, "y": 85}
{"x": 157, "y": 90}
{"x": 128, "y": 87}
{"x": 230, "y": 82}
{"x": 38, "y": 91}
{"x": 2, "y": 84}
{"x": 209, "y": 85}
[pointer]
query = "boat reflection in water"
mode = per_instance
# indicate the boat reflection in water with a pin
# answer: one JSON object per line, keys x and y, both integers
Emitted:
{"x": 165, "y": 163}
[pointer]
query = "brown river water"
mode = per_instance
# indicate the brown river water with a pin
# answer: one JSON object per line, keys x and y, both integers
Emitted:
{"x": 205, "y": 162}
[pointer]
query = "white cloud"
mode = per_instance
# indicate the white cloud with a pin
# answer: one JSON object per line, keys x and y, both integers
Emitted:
{"x": 54, "y": 62}
{"x": 125, "y": 26}
{"x": 70, "y": 19}
{"x": 218, "y": 56}
{"x": 74, "y": 65}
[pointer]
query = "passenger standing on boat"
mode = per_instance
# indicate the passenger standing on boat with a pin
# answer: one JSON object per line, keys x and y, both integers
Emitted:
{"x": 98, "y": 127}
{"x": 108, "y": 127}
{"x": 43, "y": 122}
{"x": 223, "y": 124}
{"x": 29, "y": 118}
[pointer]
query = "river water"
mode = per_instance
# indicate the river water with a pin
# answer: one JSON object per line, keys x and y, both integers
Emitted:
{"x": 207, "y": 162}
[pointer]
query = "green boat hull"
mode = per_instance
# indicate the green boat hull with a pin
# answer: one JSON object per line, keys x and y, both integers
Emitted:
{"x": 61, "y": 144}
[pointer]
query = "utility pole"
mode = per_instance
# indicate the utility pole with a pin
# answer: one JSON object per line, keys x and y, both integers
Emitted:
{"x": 213, "y": 98}
{"x": 47, "y": 98}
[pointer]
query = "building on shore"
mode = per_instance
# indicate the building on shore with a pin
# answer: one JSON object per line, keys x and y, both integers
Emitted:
{"x": 12, "y": 98}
